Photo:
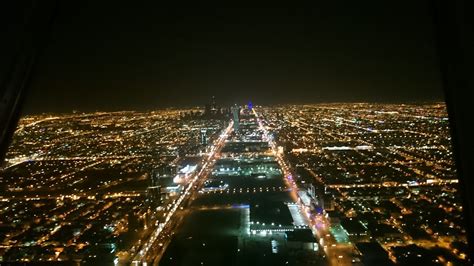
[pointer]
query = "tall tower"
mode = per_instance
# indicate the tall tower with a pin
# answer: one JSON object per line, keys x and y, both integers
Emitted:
{"x": 154, "y": 189}
{"x": 203, "y": 136}
{"x": 213, "y": 104}
{"x": 235, "y": 116}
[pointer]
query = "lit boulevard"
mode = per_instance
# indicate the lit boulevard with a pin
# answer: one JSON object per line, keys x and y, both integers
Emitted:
{"x": 186, "y": 195}
{"x": 338, "y": 254}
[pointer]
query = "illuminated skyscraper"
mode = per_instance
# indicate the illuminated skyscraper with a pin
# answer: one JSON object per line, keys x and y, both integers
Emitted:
{"x": 235, "y": 116}
{"x": 213, "y": 104}
{"x": 203, "y": 136}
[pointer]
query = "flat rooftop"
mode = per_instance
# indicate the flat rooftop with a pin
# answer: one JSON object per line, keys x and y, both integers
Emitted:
{"x": 301, "y": 235}
{"x": 271, "y": 212}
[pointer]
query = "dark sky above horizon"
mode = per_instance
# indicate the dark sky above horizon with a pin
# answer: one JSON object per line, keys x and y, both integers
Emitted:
{"x": 125, "y": 55}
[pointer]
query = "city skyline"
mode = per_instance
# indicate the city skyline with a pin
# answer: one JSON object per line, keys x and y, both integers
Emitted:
{"x": 221, "y": 106}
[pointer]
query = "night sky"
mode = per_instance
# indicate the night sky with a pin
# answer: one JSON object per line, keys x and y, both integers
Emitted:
{"x": 124, "y": 55}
